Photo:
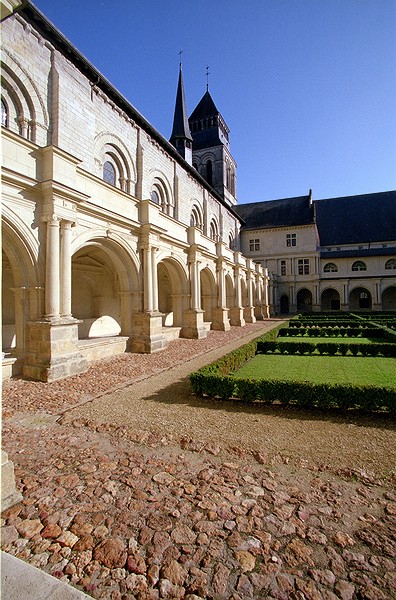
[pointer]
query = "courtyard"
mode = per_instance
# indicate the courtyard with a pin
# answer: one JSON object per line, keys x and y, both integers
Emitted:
{"x": 141, "y": 490}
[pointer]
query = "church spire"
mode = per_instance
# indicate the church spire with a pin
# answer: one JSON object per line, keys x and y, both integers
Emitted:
{"x": 181, "y": 135}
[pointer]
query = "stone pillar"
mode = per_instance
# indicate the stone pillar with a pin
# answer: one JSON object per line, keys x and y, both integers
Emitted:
{"x": 193, "y": 319}
{"x": 259, "y": 309}
{"x": 66, "y": 269}
{"x": 52, "y": 282}
{"x": 154, "y": 278}
{"x": 220, "y": 320}
{"x": 248, "y": 312}
{"x": 9, "y": 493}
{"x": 236, "y": 312}
{"x": 147, "y": 280}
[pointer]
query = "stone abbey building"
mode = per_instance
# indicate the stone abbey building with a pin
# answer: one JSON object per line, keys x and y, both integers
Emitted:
{"x": 114, "y": 239}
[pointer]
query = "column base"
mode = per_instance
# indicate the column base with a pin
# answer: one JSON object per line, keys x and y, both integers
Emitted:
{"x": 52, "y": 350}
{"x": 236, "y": 317}
{"x": 220, "y": 321}
{"x": 248, "y": 314}
{"x": 193, "y": 325}
{"x": 148, "y": 336}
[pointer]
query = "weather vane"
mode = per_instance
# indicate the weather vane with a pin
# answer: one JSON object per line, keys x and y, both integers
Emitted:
{"x": 180, "y": 55}
{"x": 207, "y": 78}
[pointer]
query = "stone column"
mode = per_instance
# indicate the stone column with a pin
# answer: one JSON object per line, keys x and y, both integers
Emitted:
{"x": 248, "y": 312}
{"x": 236, "y": 313}
{"x": 52, "y": 282}
{"x": 220, "y": 320}
{"x": 66, "y": 269}
{"x": 259, "y": 297}
{"x": 147, "y": 280}
{"x": 195, "y": 285}
{"x": 154, "y": 276}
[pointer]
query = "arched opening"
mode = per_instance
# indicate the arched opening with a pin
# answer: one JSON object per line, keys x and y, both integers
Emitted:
{"x": 284, "y": 304}
{"x": 360, "y": 299}
{"x": 172, "y": 295}
{"x": 101, "y": 274}
{"x": 209, "y": 172}
{"x": 8, "y": 306}
{"x": 304, "y": 300}
{"x": 389, "y": 298}
{"x": 230, "y": 292}
{"x": 330, "y": 300}
{"x": 208, "y": 294}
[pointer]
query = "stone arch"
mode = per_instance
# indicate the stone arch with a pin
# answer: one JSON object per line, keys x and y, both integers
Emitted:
{"x": 330, "y": 299}
{"x": 388, "y": 298}
{"x": 15, "y": 77}
{"x": 105, "y": 285}
{"x": 360, "y": 299}
{"x": 108, "y": 146}
{"x": 208, "y": 293}
{"x": 158, "y": 183}
{"x": 304, "y": 300}
{"x": 172, "y": 280}
{"x": 196, "y": 219}
{"x": 21, "y": 285}
{"x": 214, "y": 229}
{"x": 230, "y": 291}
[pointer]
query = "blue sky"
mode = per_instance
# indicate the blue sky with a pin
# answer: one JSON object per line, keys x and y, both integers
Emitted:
{"x": 307, "y": 87}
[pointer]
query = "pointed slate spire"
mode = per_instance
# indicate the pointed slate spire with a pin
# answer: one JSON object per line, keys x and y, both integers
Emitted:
{"x": 181, "y": 135}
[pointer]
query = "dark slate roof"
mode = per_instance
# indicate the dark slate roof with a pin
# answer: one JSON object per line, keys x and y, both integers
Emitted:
{"x": 388, "y": 251}
{"x": 181, "y": 128}
{"x": 287, "y": 212}
{"x": 356, "y": 219}
{"x": 205, "y": 108}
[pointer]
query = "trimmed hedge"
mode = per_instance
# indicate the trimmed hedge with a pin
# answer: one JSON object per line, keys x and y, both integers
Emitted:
{"x": 332, "y": 348}
{"x": 329, "y": 331}
{"x": 296, "y": 393}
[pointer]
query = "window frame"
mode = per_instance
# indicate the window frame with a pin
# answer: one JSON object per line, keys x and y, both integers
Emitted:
{"x": 254, "y": 245}
{"x": 359, "y": 265}
{"x": 303, "y": 266}
{"x": 291, "y": 240}
{"x": 328, "y": 268}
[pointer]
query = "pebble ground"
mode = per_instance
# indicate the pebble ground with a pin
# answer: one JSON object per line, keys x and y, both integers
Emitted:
{"x": 123, "y": 499}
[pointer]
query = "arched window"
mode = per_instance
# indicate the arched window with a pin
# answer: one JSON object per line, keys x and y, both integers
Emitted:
{"x": 390, "y": 264}
{"x": 231, "y": 241}
{"x": 4, "y": 114}
{"x": 209, "y": 172}
{"x": 213, "y": 231}
{"x": 155, "y": 197}
{"x": 359, "y": 265}
{"x": 196, "y": 217}
{"x": 330, "y": 268}
{"x": 109, "y": 173}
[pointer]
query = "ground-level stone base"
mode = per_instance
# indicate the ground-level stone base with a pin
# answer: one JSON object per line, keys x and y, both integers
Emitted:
{"x": 148, "y": 334}
{"x": 9, "y": 493}
{"x": 236, "y": 317}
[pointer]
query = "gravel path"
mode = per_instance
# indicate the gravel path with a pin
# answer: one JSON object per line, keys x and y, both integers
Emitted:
{"x": 143, "y": 491}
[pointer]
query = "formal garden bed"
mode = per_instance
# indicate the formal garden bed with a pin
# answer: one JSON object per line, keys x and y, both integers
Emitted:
{"x": 324, "y": 361}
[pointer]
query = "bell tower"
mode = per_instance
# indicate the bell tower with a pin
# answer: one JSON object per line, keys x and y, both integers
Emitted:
{"x": 211, "y": 155}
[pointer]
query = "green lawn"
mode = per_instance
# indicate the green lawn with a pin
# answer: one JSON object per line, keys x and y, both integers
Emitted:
{"x": 336, "y": 340}
{"x": 322, "y": 369}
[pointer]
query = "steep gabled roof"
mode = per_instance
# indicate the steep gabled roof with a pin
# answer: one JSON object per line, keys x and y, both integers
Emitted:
{"x": 356, "y": 219}
{"x": 288, "y": 212}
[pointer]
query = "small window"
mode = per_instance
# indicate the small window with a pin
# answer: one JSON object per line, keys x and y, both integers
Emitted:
{"x": 283, "y": 267}
{"x": 231, "y": 241}
{"x": 390, "y": 264}
{"x": 254, "y": 245}
{"x": 330, "y": 268}
{"x": 109, "y": 173}
{"x": 155, "y": 197}
{"x": 196, "y": 219}
{"x": 291, "y": 239}
{"x": 303, "y": 266}
{"x": 213, "y": 232}
{"x": 209, "y": 172}
{"x": 359, "y": 265}
{"x": 4, "y": 114}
